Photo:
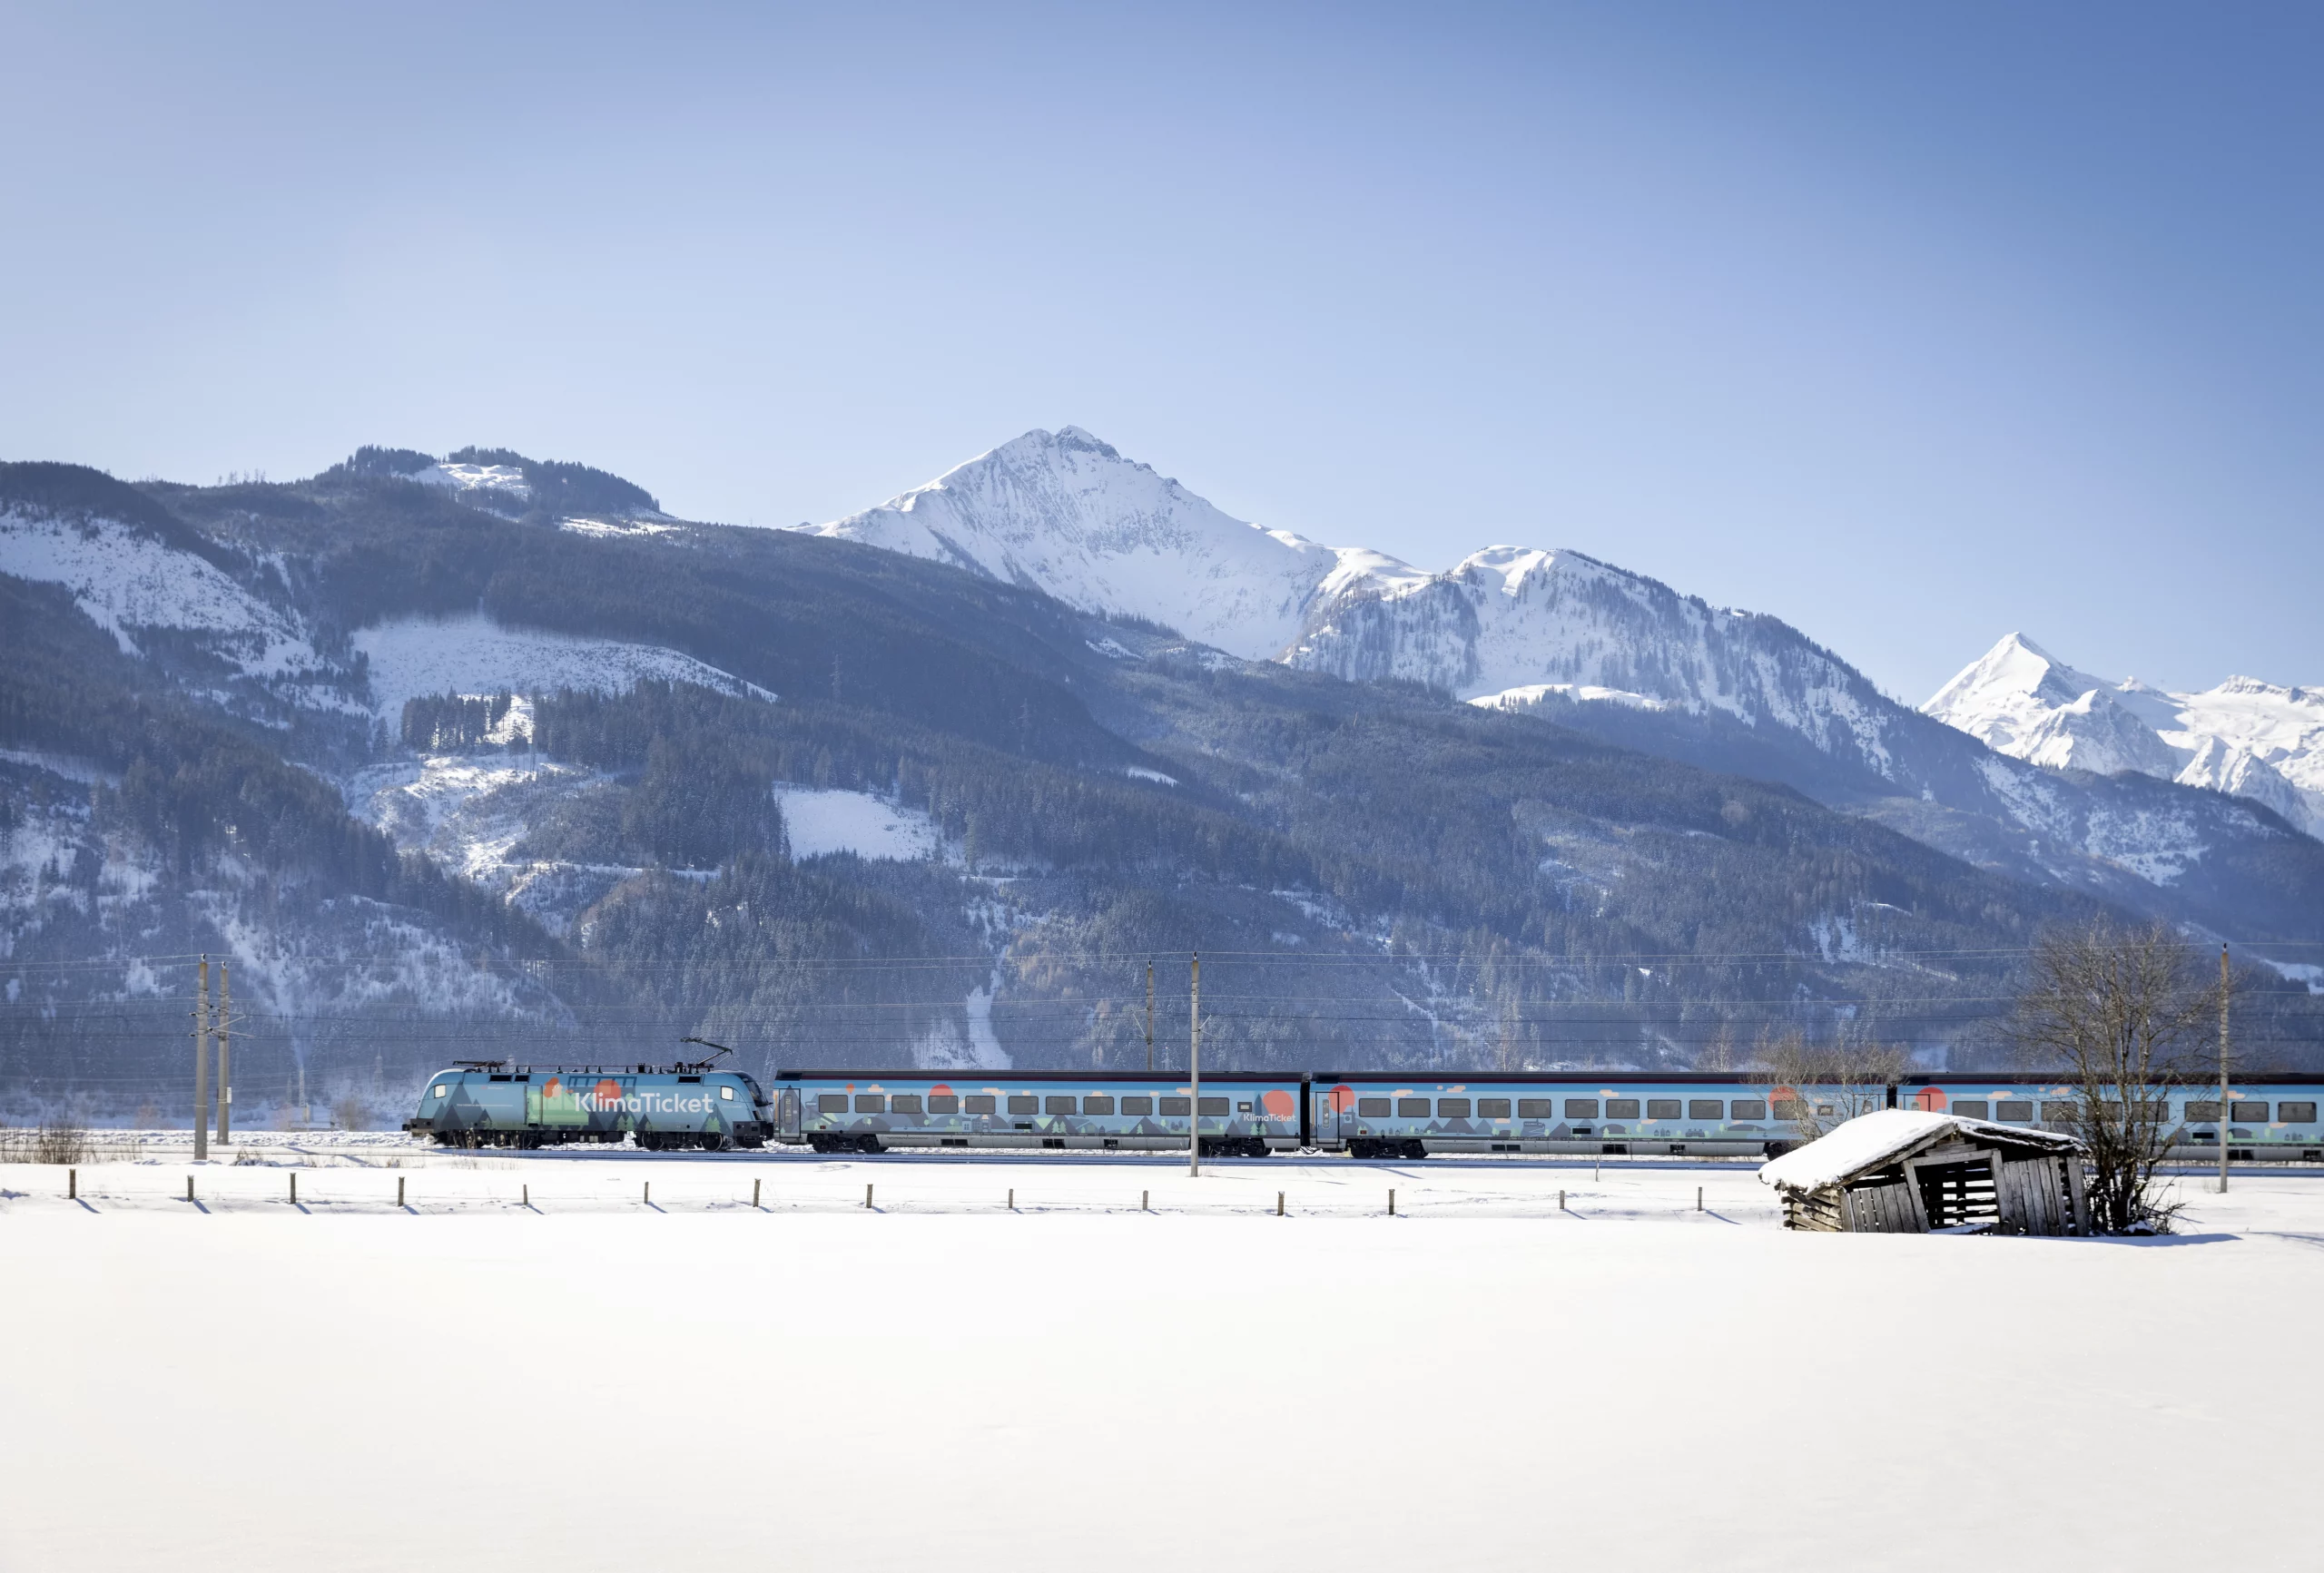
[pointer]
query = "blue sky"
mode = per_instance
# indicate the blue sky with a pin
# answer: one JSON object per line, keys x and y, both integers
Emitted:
{"x": 1912, "y": 325}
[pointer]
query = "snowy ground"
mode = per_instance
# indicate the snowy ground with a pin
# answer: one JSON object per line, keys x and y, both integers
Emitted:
{"x": 599, "y": 1380}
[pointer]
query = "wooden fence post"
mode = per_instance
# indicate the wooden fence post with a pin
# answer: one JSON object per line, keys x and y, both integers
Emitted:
{"x": 754, "y": 1194}
{"x": 72, "y": 1185}
{"x": 1392, "y": 1203}
{"x": 189, "y": 1187}
{"x": 399, "y": 1190}
{"x": 867, "y": 1198}
{"x": 1278, "y": 1204}
{"x": 294, "y": 1187}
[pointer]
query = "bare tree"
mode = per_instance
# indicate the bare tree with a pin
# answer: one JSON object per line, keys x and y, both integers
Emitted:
{"x": 1830, "y": 1082}
{"x": 2129, "y": 1014}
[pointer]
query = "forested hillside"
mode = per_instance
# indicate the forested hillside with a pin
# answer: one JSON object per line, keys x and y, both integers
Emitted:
{"x": 561, "y": 777}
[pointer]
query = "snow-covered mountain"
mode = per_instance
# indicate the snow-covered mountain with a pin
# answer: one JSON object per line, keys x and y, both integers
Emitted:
{"x": 1563, "y": 636}
{"x": 2245, "y": 737}
{"x": 1065, "y": 513}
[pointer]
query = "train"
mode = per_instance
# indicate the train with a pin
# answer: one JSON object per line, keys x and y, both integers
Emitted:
{"x": 661, "y": 1107}
{"x": 1256, "y": 1113}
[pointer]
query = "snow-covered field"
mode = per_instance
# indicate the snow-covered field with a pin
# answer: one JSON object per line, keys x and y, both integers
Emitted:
{"x": 599, "y": 1380}
{"x": 819, "y": 820}
{"x": 414, "y": 656}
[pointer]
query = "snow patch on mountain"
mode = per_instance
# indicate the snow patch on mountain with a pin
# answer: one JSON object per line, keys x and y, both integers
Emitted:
{"x": 505, "y": 479}
{"x": 2245, "y": 737}
{"x": 472, "y": 654}
{"x": 126, "y": 580}
{"x": 819, "y": 820}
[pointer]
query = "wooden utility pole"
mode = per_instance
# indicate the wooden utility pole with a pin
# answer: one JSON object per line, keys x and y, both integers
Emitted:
{"x": 201, "y": 1065}
{"x": 1149, "y": 1018}
{"x": 1193, "y": 1073}
{"x": 2224, "y": 1110}
{"x": 225, "y": 1058}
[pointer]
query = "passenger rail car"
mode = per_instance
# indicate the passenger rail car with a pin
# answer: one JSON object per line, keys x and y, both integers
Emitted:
{"x": 2267, "y": 1116}
{"x": 1369, "y": 1115}
{"x": 1247, "y": 1114}
{"x": 663, "y": 1106}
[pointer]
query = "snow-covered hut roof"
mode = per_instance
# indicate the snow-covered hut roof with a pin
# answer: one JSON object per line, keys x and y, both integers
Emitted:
{"x": 1885, "y": 1135}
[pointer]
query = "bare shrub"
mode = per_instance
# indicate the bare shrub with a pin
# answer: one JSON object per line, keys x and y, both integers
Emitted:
{"x": 1832, "y": 1083}
{"x": 2128, "y": 1013}
{"x": 352, "y": 1113}
{"x": 55, "y": 1141}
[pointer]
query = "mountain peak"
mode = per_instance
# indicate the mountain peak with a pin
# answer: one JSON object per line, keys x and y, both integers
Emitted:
{"x": 1064, "y": 512}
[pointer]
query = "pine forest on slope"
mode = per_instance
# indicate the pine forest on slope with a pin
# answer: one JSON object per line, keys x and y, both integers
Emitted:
{"x": 479, "y": 755}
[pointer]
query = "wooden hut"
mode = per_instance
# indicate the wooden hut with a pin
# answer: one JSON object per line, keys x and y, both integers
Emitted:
{"x": 1910, "y": 1172}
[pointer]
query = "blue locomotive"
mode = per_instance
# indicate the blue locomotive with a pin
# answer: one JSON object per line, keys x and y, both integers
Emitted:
{"x": 492, "y": 1103}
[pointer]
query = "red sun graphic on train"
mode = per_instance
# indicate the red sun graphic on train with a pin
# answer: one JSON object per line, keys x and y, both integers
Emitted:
{"x": 940, "y": 1090}
{"x": 1343, "y": 1099}
{"x": 1931, "y": 1099}
{"x": 606, "y": 1093}
{"x": 1278, "y": 1104}
{"x": 1784, "y": 1095}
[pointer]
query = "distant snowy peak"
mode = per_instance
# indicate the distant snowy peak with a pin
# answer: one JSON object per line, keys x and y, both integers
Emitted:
{"x": 2249, "y": 738}
{"x": 1062, "y": 512}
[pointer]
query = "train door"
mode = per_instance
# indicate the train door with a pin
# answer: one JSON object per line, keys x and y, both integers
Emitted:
{"x": 786, "y": 1113}
{"x": 1324, "y": 1111}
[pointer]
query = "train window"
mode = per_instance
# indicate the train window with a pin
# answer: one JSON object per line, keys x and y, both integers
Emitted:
{"x": 1061, "y": 1106}
{"x": 2065, "y": 1114}
{"x": 1181, "y": 1107}
{"x": 1706, "y": 1108}
{"x": 1581, "y": 1108}
{"x": 1621, "y": 1108}
{"x": 2296, "y": 1114}
{"x": 504, "y": 1078}
{"x": 1412, "y": 1109}
{"x": 2200, "y": 1110}
{"x": 1372, "y": 1109}
{"x": 2252, "y": 1114}
{"x": 1972, "y": 1108}
{"x": 443, "y": 1089}
{"x": 1023, "y": 1103}
{"x": 2014, "y": 1111}
{"x": 725, "y": 1093}
{"x": 1098, "y": 1104}
{"x": 1138, "y": 1106}
{"x": 1537, "y": 1108}
{"x": 1662, "y": 1108}
{"x": 1790, "y": 1109}
{"x": 906, "y": 1103}
{"x": 980, "y": 1102}
{"x": 871, "y": 1103}
{"x": 943, "y": 1102}
{"x": 1492, "y": 1108}
{"x": 1452, "y": 1108}
{"x": 1214, "y": 1106}
{"x": 1749, "y": 1108}
{"x": 831, "y": 1102}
